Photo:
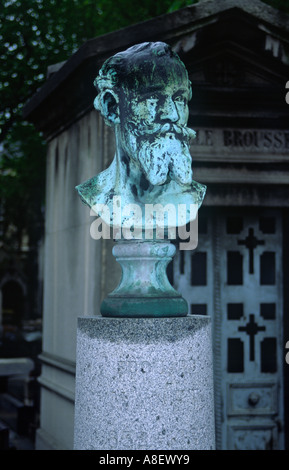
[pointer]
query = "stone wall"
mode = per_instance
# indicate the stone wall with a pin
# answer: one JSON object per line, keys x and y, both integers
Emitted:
{"x": 77, "y": 272}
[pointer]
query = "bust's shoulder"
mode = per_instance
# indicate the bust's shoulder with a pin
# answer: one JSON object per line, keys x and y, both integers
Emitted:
{"x": 87, "y": 190}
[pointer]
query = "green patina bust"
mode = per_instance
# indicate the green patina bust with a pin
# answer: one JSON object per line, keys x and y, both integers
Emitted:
{"x": 144, "y": 94}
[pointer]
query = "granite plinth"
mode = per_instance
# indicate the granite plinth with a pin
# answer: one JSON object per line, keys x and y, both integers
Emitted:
{"x": 144, "y": 383}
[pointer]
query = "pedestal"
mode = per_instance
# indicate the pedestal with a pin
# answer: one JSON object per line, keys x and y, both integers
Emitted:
{"x": 144, "y": 383}
{"x": 144, "y": 289}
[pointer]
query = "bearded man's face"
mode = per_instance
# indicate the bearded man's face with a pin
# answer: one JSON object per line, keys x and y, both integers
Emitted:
{"x": 153, "y": 128}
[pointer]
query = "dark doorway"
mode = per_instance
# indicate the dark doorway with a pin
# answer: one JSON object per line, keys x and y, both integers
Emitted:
{"x": 12, "y": 304}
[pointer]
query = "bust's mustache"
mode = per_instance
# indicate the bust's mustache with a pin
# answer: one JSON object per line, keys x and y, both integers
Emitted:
{"x": 181, "y": 132}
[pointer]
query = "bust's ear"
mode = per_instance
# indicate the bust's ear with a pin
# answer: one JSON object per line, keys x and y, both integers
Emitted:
{"x": 107, "y": 103}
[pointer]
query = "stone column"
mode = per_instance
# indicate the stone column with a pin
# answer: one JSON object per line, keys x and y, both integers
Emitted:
{"x": 144, "y": 383}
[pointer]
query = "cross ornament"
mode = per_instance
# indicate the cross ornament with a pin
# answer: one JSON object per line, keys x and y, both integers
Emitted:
{"x": 251, "y": 242}
{"x": 252, "y": 329}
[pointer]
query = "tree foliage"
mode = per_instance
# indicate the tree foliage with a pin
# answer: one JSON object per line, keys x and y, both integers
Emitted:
{"x": 37, "y": 33}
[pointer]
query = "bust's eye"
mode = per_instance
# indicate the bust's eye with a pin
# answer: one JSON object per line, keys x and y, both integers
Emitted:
{"x": 153, "y": 97}
{"x": 180, "y": 99}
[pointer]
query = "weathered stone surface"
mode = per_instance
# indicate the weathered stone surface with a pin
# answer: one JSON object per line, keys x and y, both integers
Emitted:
{"x": 144, "y": 384}
{"x": 16, "y": 366}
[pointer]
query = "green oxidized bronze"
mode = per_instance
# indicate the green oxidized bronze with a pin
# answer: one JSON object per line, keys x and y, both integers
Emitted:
{"x": 143, "y": 93}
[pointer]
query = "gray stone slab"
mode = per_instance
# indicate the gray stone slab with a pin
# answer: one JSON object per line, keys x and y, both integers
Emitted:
{"x": 144, "y": 383}
{"x": 15, "y": 366}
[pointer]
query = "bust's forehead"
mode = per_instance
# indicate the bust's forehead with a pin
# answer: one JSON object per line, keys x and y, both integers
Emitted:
{"x": 158, "y": 72}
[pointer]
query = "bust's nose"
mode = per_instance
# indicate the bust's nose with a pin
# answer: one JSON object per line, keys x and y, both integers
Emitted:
{"x": 169, "y": 111}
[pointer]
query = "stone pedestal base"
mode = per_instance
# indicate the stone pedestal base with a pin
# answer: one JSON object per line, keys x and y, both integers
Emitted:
{"x": 144, "y": 383}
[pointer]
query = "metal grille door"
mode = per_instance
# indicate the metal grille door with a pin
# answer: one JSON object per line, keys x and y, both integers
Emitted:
{"x": 235, "y": 275}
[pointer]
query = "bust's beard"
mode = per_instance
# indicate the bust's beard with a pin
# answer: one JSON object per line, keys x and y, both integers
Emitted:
{"x": 162, "y": 152}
